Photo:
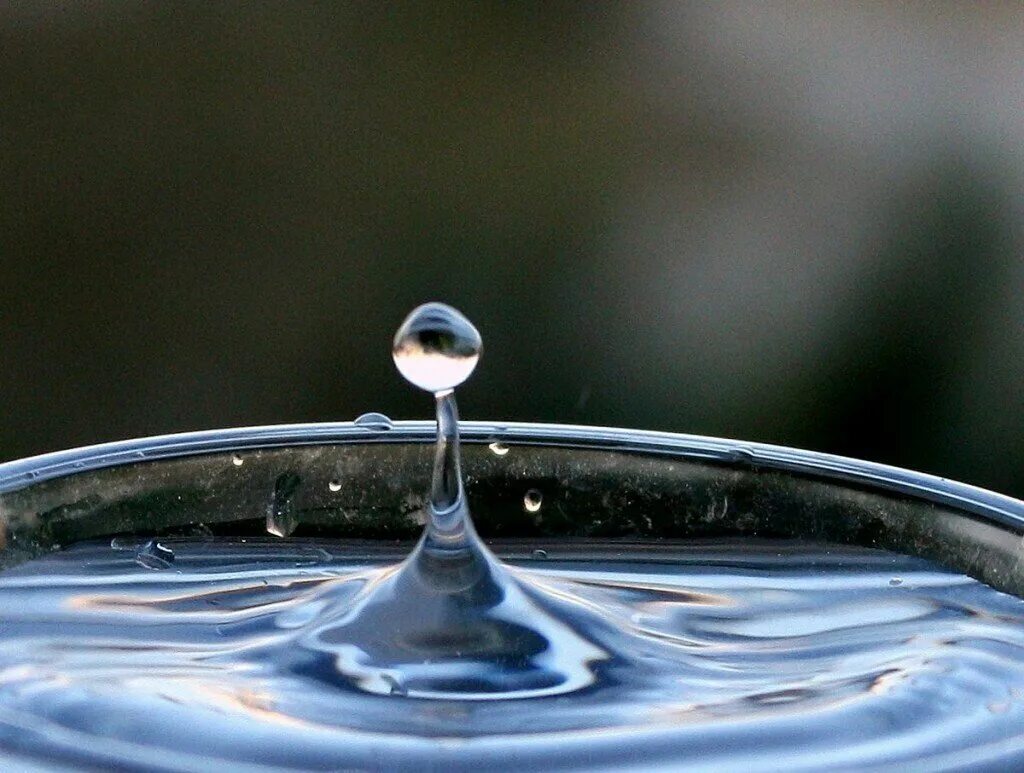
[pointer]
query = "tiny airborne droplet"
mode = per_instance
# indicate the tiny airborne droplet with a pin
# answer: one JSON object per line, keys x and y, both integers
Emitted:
{"x": 532, "y": 501}
{"x": 237, "y": 460}
{"x": 334, "y": 485}
{"x": 498, "y": 449}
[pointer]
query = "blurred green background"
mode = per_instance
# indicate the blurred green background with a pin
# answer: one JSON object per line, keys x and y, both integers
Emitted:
{"x": 793, "y": 223}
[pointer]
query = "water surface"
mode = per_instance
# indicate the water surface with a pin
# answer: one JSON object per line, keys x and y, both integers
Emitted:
{"x": 221, "y": 654}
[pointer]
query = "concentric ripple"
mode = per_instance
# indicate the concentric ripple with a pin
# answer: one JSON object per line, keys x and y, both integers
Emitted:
{"x": 714, "y": 656}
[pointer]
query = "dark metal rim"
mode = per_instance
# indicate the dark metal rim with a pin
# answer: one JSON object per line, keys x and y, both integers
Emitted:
{"x": 26, "y": 472}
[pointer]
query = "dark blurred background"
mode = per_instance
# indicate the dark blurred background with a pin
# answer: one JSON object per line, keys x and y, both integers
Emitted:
{"x": 793, "y": 223}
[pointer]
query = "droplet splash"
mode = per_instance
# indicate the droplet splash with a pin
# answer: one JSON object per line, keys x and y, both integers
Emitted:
{"x": 451, "y": 621}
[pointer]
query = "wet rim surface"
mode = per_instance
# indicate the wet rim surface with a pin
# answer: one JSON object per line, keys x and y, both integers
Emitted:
{"x": 980, "y": 502}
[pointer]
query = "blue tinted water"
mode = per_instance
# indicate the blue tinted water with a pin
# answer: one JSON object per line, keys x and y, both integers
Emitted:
{"x": 763, "y": 656}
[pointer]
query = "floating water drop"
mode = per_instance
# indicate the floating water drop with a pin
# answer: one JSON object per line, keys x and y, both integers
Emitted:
{"x": 154, "y": 555}
{"x": 124, "y": 543}
{"x": 377, "y": 422}
{"x": 281, "y": 518}
{"x": 896, "y": 581}
{"x": 532, "y": 501}
{"x": 436, "y": 348}
{"x": 498, "y": 449}
{"x": 237, "y": 460}
{"x": 334, "y": 485}
{"x": 540, "y": 554}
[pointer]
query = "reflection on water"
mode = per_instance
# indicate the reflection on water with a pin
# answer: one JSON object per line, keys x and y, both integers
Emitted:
{"x": 761, "y": 655}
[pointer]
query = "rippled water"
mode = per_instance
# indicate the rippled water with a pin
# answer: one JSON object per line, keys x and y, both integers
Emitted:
{"x": 220, "y": 655}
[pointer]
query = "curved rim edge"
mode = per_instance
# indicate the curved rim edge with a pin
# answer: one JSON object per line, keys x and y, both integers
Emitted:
{"x": 22, "y": 473}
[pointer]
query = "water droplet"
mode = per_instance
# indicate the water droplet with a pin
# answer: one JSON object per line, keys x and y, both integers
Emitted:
{"x": 334, "y": 485}
{"x": 124, "y": 543}
{"x": 896, "y": 581}
{"x": 377, "y": 422}
{"x": 436, "y": 347}
{"x": 532, "y": 501}
{"x": 540, "y": 554}
{"x": 281, "y": 518}
{"x": 237, "y": 460}
{"x": 498, "y": 449}
{"x": 154, "y": 555}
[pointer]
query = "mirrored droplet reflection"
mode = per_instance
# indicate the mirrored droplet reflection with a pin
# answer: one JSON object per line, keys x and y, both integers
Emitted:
{"x": 450, "y": 621}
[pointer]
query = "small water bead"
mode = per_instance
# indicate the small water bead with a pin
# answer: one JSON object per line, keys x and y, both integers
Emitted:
{"x": 532, "y": 501}
{"x": 895, "y": 581}
{"x": 237, "y": 460}
{"x": 498, "y": 449}
{"x": 377, "y": 422}
{"x": 436, "y": 347}
{"x": 540, "y": 554}
{"x": 334, "y": 485}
